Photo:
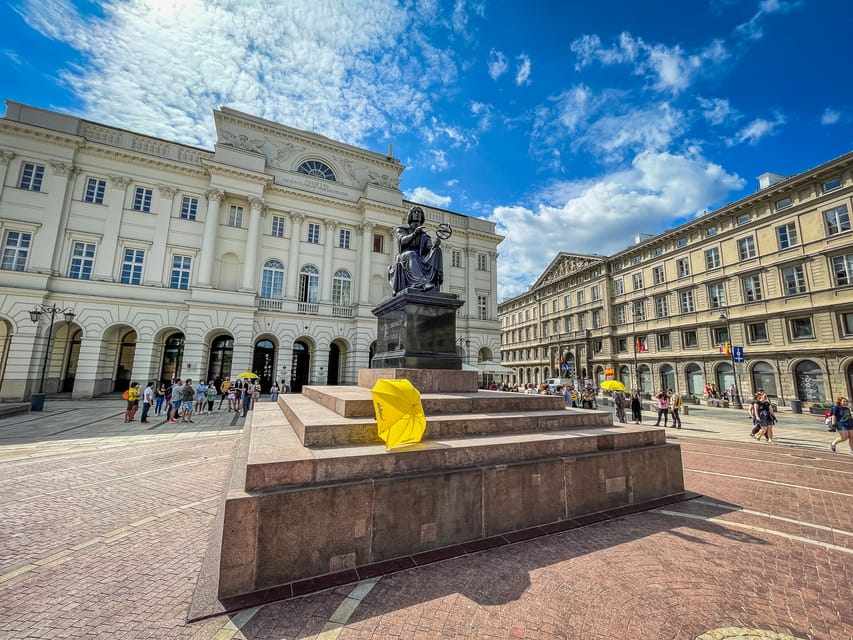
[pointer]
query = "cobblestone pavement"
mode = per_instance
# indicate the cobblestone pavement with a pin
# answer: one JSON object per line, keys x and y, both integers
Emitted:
{"x": 105, "y": 526}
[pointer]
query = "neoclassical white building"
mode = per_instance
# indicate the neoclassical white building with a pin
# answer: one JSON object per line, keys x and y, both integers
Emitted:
{"x": 266, "y": 254}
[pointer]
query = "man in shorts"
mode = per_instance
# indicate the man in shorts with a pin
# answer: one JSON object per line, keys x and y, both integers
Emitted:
{"x": 843, "y": 422}
{"x": 175, "y": 399}
{"x": 187, "y": 400}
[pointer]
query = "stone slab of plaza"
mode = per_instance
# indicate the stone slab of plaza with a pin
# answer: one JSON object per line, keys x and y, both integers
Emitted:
{"x": 316, "y": 501}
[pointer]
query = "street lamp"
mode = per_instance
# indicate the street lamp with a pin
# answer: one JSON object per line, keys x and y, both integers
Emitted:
{"x": 37, "y": 399}
{"x": 724, "y": 315}
{"x": 465, "y": 341}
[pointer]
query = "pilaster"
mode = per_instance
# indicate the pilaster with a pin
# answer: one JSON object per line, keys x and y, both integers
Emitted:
{"x": 208, "y": 242}
{"x": 105, "y": 257}
{"x": 157, "y": 258}
{"x": 250, "y": 264}
{"x": 328, "y": 249}
{"x": 296, "y": 220}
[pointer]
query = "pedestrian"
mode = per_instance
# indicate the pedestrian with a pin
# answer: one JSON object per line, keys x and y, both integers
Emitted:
{"x": 675, "y": 404}
{"x": 620, "y": 402}
{"x": 256, "y": 392}
{"x": 225, "y": 390}
{"x": 188, "y": 394}
{"x": 159, "y": 399}
{"x": 842, "y": 421}
{"x": 175, "y": 399}
{"x": 147, "y": 401}
{"x": 132, "y": 396}
{"x": 586, "y": 398}
{"x": 766, "y": 418}
{"x": 636, "y": 407}
{"x": 211, "y": 396}
{"x": 274, "y": 391}
{"x": 200, "y": 397}
{"x": 753, "y": 413}
{"x": 662, "y": 405}
{"x": 248, "y": 390}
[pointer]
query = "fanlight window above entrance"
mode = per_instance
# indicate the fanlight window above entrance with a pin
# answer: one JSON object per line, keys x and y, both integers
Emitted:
{"x": 317, "y": 169}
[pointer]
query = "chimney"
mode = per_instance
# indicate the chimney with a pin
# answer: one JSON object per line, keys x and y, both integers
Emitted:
{"x": 769, "y": 179}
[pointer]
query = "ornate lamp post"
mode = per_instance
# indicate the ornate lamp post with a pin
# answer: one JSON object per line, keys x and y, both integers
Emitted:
{"x": 462, "y": 340}
{"x": 37, "y": 399}
{"x": 724, "y": 315}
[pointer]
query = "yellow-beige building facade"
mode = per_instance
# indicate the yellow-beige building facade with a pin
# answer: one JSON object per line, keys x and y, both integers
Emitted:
{"x": 758, "y": 293}
{"x": 266, "y": 253}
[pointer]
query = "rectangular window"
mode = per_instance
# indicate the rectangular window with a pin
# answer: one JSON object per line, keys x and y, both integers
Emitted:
{"x": 278, "y": 226}
{"x": 556, "y": 325}
{"x": 378, "y": 243}
{"x": 787, "y": 235}
{"x": 344, "y": 238}
{"x": 567, "y": 302}
{"x": 314, "y": 233}
{"x": 683, "y": 267}
{"x": 685, "y": 300}
{"x": 659, "y": 275}
{"x": 189, "y": 208}
{"x": 758, "y": 332}
{"x": 555, "y": 305}
{"x": 596, "y": 292}
{"x": 95, "y": 189}
{"x": 620, "y": 314}
{"x": 131, "y": 266}
{"x": 661, "y": 307}
{"x": 710, "y": 231}
{"x": 801, "y": 328}
{"x": 784, "y": 203}
{"x": 456, "y": 258}
{"x": 31, "y": 177}
{"x": 664, "y": 341}
{"x": 846, "y": 324}
{"x": 689, "y": 339}
{"x": 618, "y": 287}
{"x": 622, "y": 345}
{"x": 720, "y": 336}
{"x": 581, "y": 297}
{"x": 682, "y": 242}
{"x": 793, "y": 280}
{"x": 544, "y": 329}
{"x": 544, "y": 309}
{"x": 717, "y": 295}
{"x": 837, "y": 220}
{"x": 598, "y": 346}
{"x": 658, "y": 251}
{"x": 581, "y": 322}
{"x": 752, "y": 288}
{"x": 483, "y": 307}
{"x": 142, "y": 199}
{"x": 180, "y": 278}
{"x": 235, "y": 216}
{"x": 712, "y": 258}
{"x": 482, "y": 262}
{"x": 637, "y": 279}
{"x": 842, "y": 269}
{"x": 569, "y": 324}
{"x": 743, "y": 218}
{"x": 637, "y": 259}
{"x": 16, "y": 250}
{"x": 617, "y": 266}
{"x": 832, "y": 185}
{"x": 639, "y": 311}
{"x": 746, "y": 248}
{"x": 82, "y": 260}
{"x": 596, "y": 319}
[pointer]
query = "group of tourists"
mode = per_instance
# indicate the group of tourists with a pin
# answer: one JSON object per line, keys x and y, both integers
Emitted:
{"x": 180, "y": 400}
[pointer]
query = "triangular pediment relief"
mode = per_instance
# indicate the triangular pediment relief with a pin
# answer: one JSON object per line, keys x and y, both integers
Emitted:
{"x": 567, "y": 264}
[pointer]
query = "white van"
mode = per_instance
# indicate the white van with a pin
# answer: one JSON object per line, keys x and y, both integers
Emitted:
{"x": 553, "y": 383}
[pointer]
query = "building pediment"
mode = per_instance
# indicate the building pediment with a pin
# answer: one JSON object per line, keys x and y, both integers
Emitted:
{"x": 567, "y": 264}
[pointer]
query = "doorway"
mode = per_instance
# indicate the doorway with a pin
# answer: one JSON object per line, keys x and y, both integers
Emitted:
{"x": 263, "y": 363}
{"x": 125, "y": 361}
{"x": 71, "y": 361}
{"x": 334, "y": 364}
{"x": 221, "y": 353}
{"x": 299, "y": 367}
{"x": 173, "y": 355}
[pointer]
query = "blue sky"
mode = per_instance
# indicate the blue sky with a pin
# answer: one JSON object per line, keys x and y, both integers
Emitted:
{"x": 573, "y": 125}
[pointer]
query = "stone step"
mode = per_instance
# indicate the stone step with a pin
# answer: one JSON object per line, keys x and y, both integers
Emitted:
{"x": 356, "y": 402}
{"x": 318, "y": 426}
{"x": 277, "y": 458}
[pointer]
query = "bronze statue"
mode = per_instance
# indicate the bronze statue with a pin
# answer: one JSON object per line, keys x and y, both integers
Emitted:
{"x": 419, "y": 262}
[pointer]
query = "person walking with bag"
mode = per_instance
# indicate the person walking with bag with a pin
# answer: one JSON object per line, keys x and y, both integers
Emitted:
{"x": 132, "y": 397}
{"x": 636, "y": 407}
{"x": 663, "y": 409}
{"x": 843, "y": 423}
{"x": 675, "y": 404}
{"x": 766, "y": 418}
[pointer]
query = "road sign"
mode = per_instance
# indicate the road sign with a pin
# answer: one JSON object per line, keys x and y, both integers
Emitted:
{"x": 737, "y": 354}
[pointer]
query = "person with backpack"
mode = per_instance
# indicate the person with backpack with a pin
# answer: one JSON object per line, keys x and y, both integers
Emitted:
{"x": 842, "y": 421}
{"x": 766, "y": 418}
{"x": 675, "y": 404}
{"x": 132, "y": 398}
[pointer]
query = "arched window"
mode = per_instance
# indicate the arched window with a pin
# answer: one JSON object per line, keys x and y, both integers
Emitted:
{"x": 763, "y": 378}
{"x": 667, "y": 377}
{"x": 645, "y": 379}
{"x": 341, "y": 287}
{"x": 316, "y": 169}
{"x": 695, "y": 380}
{"x": 625, "y": 376}
{"x": 272, "y": 280}
{"x": 809, "y": 382}
{"x": 725, "y": 377}
{"x": 309, "y": 284}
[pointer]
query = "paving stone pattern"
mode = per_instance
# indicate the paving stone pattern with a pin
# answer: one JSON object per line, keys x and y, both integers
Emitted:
{"x": 105, "y": 526}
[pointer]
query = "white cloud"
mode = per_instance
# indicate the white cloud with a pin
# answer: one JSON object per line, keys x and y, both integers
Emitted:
{"x": 603, "y": 215}
{"x": 830, "y": 116}
{"x": 752, "y": 29}
{"x": 757, "y": 129}
{"x": 426, "y": 196}
{"x": 498, "y": 64}
{"x": 438, "y": 160}
{"x": 716, "y": 110}
{"x": 653, "y": 128}
{"x": 522, "y": 73}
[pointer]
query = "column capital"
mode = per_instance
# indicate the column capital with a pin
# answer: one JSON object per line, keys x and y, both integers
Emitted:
{"x": 120, "y": 182}
{"x": 6, "y": 157}
{"x": 167, "y": 191}
{"x": 298, "y": 218}
{"x": 64, "y": 169}
{"x": 331, "y": 225}
{"x": 256, "y": 203}
{"x": 366, "y": 227}
{"x": 215, "y": 195}
{"x": 494, "y": 255}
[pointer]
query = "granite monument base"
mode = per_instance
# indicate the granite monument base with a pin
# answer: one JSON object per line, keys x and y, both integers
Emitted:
{"x": 417, "y": 330}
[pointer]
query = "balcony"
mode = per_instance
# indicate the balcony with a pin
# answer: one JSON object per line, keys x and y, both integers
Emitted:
{"x": 305, "y": 308}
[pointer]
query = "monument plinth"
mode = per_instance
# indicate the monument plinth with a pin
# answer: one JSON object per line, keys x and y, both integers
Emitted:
{"x": 417, "y": 330}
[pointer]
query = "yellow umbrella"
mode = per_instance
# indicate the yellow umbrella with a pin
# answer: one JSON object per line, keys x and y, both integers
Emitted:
{"x": 400, "y": 415}
{"x": 613, "y": 385}
{"x": 247, "y": 374}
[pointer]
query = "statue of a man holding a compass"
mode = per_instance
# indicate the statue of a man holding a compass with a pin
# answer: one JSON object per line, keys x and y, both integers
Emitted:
{"x": 419, "y": 261}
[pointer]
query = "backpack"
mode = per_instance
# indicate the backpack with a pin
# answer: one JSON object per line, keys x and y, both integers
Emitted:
{"x": 126, "y": 394}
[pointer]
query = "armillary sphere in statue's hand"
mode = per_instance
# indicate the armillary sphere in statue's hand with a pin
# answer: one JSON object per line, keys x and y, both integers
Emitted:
{"x": 443, "y": 231}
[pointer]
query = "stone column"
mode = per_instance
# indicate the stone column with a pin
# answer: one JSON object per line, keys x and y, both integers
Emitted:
{"x": 143, "y": 367}
{"x": 250, "y": 264}
{"x": 363, "y": 277}
{"x": 296, "y": 220}
{"x": 471, "y": 282}
{"x": 105, "y": 258}
{"x": 5, "y": 159}
{"x": 68, "y": 172}
{"x": 493, "y": 277}
{"x": 87, "y": 382}
{"x": 208, "y": 241}
{"x": 328, "y": 249}
{"x": 153, "y": 273}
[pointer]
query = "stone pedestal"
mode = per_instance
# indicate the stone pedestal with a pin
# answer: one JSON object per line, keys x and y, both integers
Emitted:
{"x": 417, "y": 330}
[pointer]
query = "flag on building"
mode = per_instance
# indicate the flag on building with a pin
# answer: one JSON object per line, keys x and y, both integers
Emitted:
{"x": 726, "y": 348}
